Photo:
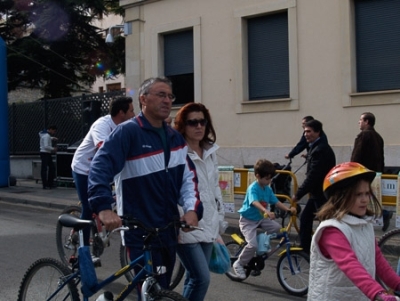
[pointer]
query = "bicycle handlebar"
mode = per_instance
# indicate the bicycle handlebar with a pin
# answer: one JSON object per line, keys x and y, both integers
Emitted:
{"x": 129, "y": 223}
{"x": 287, "y": 213}
{"x": 71, "y": 221}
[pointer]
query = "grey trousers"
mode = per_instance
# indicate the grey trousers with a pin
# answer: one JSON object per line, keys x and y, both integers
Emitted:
{"x": 249, "y": 231}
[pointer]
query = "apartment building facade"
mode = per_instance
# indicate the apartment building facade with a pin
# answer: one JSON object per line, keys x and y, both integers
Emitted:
{"x": 262, "y": 65}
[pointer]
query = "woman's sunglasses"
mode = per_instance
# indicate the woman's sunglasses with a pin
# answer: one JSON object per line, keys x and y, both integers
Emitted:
{"x": 196, "y": 122}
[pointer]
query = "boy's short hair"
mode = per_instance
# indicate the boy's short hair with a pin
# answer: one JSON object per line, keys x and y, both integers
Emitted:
{"x": 264, "y": 168}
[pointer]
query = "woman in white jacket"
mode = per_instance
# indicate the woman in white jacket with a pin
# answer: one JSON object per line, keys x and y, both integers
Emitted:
{"x": 193, "y": 121}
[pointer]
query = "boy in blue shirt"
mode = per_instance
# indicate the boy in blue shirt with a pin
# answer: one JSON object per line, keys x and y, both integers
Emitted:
{"x": 255, "y": 213}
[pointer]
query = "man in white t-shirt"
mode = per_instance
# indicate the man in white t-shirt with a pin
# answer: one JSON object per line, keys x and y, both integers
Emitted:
{"x": 121, "y": 109}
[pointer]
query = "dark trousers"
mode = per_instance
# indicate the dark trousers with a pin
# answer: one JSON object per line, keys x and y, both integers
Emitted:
{"x": 48, "y": 171}
{"x": 307, "y": 221}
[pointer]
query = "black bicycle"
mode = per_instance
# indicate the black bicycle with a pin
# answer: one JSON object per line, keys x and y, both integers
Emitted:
{"x": 389, "y": 244}
{"x": 49, "y": 279}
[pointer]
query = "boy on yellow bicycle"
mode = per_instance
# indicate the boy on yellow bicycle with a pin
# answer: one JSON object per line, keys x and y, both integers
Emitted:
{"x": 255, "y": 213}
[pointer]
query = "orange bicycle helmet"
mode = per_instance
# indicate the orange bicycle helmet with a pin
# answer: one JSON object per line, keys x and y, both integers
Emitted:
{"x": 345, "y": 174}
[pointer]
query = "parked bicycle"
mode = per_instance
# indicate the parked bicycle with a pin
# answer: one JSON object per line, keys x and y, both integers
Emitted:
{"x": 67, "y": 240}
{"x": 49, "y": 279}
{"x": 389, "y": 244}
{"x": 292, "y": 268}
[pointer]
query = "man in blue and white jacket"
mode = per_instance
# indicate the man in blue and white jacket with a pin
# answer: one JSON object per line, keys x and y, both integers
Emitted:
{"x": 153, "y": 175}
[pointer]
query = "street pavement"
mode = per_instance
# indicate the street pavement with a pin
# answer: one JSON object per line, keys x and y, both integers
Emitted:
{"x": 30, "y": 192}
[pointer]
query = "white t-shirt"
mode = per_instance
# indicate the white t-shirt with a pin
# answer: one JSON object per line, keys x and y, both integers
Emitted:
{"x": 98, "y": 132}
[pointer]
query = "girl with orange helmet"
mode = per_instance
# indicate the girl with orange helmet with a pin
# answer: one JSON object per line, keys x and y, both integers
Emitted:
{"x": 345, "y": 257}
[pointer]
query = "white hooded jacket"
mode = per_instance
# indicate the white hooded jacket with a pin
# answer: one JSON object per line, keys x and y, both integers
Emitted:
{"x": 45, "y": 142}
{"x": 210, "y": 196}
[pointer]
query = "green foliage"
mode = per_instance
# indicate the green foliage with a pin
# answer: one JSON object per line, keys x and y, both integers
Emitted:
{"x": 52, "y": 45}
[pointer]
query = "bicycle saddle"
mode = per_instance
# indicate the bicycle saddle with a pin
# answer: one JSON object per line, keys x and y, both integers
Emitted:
{"x": 71, "y": 221}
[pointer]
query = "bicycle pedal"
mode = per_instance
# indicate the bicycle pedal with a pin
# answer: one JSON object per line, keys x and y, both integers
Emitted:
{"x": 255, "y": 273}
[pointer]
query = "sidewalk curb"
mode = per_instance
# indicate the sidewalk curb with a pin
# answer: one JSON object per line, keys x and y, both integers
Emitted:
{"x": 24, "y": 201}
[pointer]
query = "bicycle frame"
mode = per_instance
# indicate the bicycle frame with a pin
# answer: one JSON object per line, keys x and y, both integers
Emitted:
{"x": 284, "y": 240}
{"x": 146, "y": 274}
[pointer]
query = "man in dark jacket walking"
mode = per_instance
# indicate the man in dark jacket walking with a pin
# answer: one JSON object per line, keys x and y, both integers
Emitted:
{"x": 303, "y": 144}
{"x": 368, "y": 151}
{"x": 368, "y": 146}
{"x": 320, "y": 160}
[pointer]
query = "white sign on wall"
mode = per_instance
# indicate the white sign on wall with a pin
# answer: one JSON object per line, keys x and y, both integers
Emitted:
{"x": 389, "y": 187}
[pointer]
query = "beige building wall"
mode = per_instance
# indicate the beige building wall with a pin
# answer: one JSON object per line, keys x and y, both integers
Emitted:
{"x": 322, "y": 80}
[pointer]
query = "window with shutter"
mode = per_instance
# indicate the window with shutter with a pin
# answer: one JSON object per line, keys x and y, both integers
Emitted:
{"x": 268, "y": 56}
{"x": 179, "y": 64}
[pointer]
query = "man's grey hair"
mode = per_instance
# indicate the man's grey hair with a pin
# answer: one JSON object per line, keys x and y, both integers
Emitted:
{"x": 148, "y": 83}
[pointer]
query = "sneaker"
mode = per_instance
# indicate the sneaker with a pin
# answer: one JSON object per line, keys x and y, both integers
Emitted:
{"x": 239, "y": 270}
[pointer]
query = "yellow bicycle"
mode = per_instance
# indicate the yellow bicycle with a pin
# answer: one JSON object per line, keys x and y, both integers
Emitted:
{"x": 292, "y": 268}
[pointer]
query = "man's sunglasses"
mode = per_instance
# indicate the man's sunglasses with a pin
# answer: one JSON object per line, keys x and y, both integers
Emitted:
{"x": 196, "y": 122}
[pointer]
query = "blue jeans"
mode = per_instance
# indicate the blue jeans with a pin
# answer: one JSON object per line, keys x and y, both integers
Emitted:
{"x": 195, "y": 258}
{"x": 81, "y": 185}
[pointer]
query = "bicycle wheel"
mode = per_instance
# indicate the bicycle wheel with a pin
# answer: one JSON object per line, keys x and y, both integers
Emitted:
{"x": 177, "y": 273}
{"x": 295, "y": 283}
{"x": 66, "y": 238}
{"x": 234, "y": 251}
{"x": 166, "y": 295}
{"x": 390, "y": 248}
{"x": 234, "y": 248}
{"x": 43, "y": 278}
